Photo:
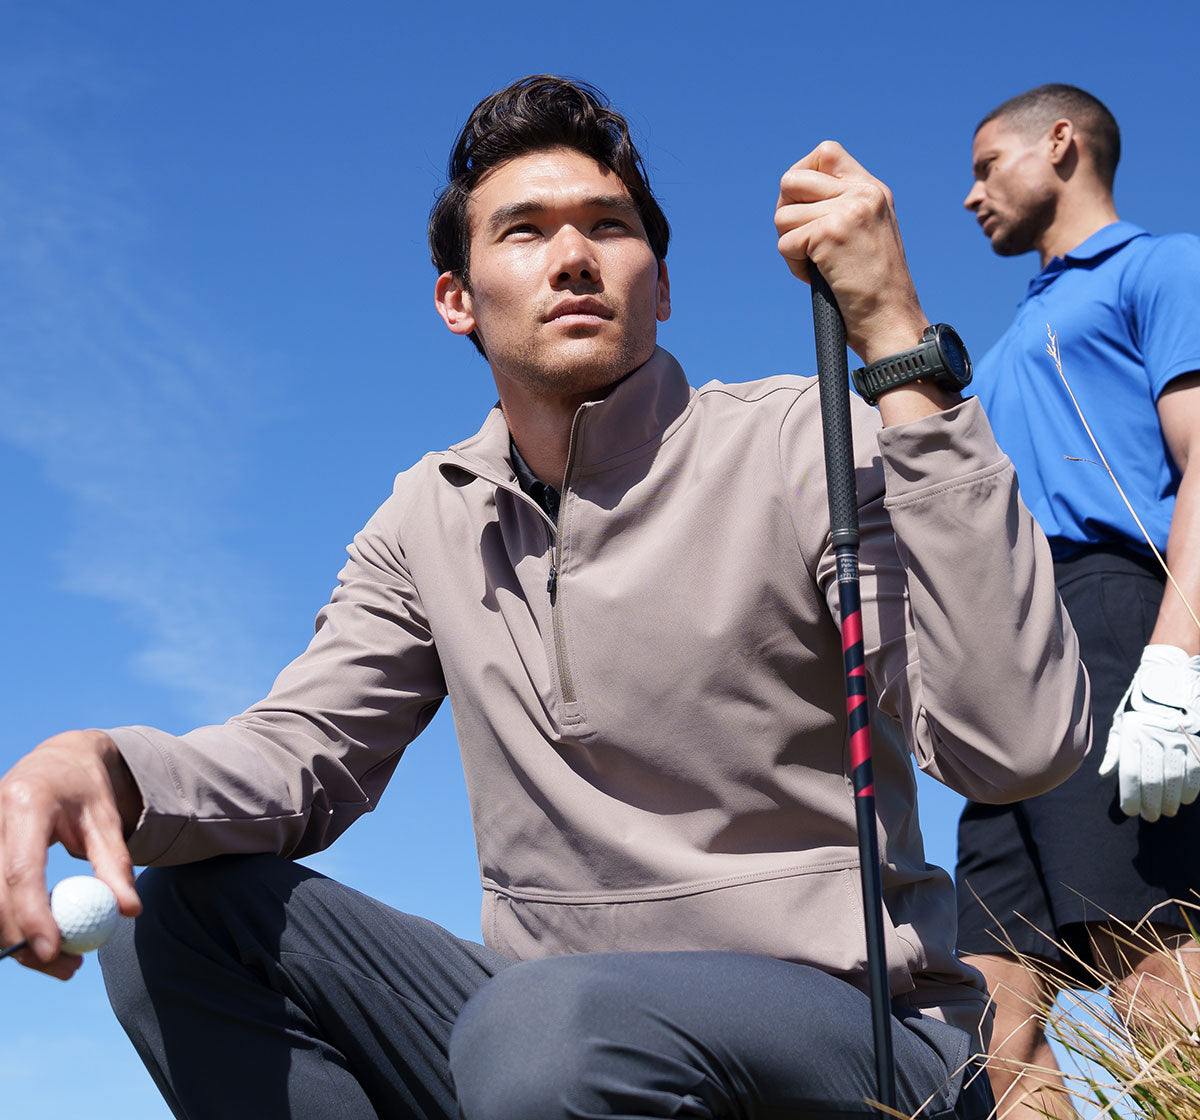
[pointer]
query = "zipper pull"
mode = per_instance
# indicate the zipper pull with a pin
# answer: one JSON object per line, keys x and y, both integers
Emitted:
{"x": 552, "y": 583}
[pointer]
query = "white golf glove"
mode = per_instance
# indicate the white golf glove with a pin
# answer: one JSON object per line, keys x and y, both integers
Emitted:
{"x": 1154, "y": 743}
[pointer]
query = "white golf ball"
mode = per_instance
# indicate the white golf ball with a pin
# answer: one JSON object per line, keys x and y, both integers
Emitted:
{"x": 86, "y": 913}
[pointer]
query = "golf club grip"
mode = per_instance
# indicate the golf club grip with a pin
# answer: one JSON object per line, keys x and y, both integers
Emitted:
{"x": 833, "y": 376}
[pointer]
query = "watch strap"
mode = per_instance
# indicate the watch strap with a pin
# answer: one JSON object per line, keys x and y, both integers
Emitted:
{"x": 878, "y": 377}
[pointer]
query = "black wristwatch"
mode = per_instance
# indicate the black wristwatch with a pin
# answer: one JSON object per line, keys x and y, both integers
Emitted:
{"x": 939, "y": 357}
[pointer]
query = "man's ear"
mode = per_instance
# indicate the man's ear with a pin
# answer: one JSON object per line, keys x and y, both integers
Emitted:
{"x": 454, "y": 303}
{"x": 1061, "y": 138}
{"x": 663, "y": 310}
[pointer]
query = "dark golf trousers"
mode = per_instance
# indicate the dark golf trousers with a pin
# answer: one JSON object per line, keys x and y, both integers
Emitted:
{"x": 254, "y": 987}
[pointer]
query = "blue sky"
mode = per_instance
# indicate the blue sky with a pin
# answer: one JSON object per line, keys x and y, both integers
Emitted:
{"x": 219, "y": 342}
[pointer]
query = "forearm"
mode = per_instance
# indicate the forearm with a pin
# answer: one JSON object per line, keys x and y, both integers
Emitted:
{"x": 1151, "y": 744}
{"x": 914, "y": 402}
{"x": 1176, "y": 625}
{"x": 988, "y": 635}
{"x": 1179, "y": 415}
{"x": 251, "y": 785}
{"x": 293, "y": 771}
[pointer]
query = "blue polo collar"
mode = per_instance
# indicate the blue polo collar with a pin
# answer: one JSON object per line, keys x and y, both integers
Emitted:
{"x": 1104, "y": 240}
{"x": 1101, "y": 243}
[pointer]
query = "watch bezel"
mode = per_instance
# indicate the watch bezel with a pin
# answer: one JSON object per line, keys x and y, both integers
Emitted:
{"x": 940, "y": 331}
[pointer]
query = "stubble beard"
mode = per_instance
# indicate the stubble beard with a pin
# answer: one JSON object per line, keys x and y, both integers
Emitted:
{"x": 1021, "y": 235}
{"x": 560, "y": 374}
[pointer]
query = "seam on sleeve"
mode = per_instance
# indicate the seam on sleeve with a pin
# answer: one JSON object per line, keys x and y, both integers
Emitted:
{"x": 932, "y": 490}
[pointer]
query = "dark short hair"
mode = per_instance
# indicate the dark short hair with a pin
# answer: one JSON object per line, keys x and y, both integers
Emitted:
{"x": 531, "y": 115}
{"x": 1037, "y": 109}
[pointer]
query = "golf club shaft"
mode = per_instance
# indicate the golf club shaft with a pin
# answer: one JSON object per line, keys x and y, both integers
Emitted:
{"x": 13, "y": 949}
{"x": 834, "y": 379}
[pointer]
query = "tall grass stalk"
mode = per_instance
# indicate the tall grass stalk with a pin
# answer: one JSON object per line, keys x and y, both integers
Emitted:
{"x": 1055, "y": 354}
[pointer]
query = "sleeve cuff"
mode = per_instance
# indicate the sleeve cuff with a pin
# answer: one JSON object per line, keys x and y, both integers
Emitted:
{"x": 163, "y": 811}
{"x": 948, "y": 446}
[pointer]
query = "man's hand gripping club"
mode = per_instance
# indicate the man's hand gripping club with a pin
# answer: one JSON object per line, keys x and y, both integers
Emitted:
{"x": 834, "y": 212}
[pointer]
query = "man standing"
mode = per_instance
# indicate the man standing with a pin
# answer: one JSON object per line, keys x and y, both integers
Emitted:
{"x": 1120, "y": 837}
{"x": 625, "y": 587}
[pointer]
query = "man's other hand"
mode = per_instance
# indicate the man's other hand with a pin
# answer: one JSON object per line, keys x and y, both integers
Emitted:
{"x": 73, "y": 789}
{"x": 1154, "y": 743}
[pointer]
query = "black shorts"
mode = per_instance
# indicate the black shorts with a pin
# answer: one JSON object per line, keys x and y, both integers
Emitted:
{"x": 1032, "y": 873}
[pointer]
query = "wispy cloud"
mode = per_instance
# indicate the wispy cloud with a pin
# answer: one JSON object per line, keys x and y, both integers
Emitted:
{"x": 129, "y": 407}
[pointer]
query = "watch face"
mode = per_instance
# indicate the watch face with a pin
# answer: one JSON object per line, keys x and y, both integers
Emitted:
{"x": 954, "y": 354}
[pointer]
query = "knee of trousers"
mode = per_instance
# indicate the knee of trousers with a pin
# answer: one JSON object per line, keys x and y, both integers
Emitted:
{"x": 182, "y": 909}
{"x": 564, "y": 1037}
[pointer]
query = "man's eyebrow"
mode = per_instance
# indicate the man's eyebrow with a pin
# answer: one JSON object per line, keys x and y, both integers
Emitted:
{"x": 978, "y": 165}
{"x": 502, "y": 216}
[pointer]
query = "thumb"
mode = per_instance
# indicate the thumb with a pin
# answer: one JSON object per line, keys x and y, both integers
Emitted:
{"x": 1112, "y": 750}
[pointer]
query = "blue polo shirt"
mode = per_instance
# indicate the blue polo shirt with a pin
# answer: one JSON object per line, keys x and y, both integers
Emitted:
{"x": 1126, "y": 308}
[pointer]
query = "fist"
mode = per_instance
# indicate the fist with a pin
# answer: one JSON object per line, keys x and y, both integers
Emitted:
{"x": 833, "y": 212}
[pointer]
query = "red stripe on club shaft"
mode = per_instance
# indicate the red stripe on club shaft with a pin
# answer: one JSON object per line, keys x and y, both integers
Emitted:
{"x": 852, "y": 633}
{"x": 860, "y": 748}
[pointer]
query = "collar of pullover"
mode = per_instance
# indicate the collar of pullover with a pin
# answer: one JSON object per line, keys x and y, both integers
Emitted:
{"x": 640, "y": 410}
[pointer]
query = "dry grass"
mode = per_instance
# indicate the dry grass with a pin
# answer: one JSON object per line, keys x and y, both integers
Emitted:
{"x": 1136, "y": 1058}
